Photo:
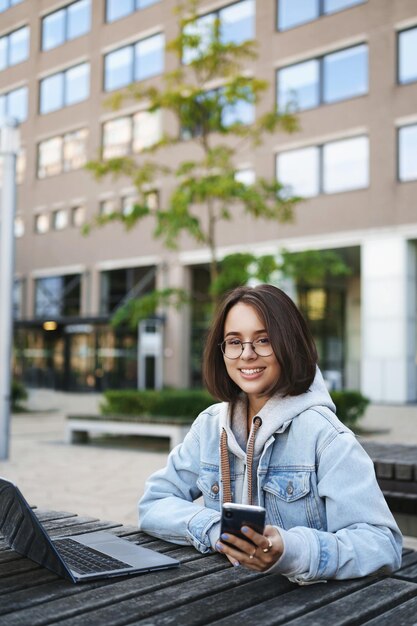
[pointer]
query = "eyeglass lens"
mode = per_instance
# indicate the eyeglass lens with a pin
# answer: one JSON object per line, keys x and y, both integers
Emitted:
{"x": 233, "y": 348}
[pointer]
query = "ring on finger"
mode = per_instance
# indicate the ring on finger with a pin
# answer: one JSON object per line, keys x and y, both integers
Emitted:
{"x": 269, "y": 546}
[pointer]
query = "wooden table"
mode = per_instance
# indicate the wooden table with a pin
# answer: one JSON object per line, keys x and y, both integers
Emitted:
{"x": 205, "y": 589}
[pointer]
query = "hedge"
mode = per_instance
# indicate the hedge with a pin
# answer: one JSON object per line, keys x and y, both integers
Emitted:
{"x": 188, "y": 403}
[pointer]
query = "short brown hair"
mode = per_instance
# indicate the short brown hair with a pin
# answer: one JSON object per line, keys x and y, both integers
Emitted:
{"x": 290, "y": 337}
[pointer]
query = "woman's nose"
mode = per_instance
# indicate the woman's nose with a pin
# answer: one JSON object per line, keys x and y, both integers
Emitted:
{"x": 248, "y": 351}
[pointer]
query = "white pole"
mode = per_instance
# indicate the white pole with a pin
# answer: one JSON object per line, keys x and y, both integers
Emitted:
{"x": 8, "y": 151}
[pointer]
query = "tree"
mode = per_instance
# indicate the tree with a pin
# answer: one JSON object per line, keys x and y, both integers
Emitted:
{"x": 218, "y": 122}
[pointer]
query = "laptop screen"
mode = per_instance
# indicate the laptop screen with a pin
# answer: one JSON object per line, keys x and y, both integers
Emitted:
{"x": 23, "y": 531}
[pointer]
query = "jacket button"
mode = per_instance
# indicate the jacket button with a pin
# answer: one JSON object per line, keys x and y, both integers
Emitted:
{"x": 290, "y": 489}
{"x": 215, "y": 488}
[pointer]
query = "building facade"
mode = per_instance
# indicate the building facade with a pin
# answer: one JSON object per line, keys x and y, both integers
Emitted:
{"x": 349, "y": 67}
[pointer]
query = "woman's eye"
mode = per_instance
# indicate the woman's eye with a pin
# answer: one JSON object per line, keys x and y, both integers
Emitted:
{"x": 263, "y": 341}
{"x": 233, "y": 342}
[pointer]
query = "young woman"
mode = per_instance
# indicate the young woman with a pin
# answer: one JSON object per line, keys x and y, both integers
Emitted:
{"x": 274, "y": 441}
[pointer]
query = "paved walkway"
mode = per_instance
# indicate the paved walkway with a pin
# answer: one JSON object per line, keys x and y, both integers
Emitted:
{"x": 106, "y": 481}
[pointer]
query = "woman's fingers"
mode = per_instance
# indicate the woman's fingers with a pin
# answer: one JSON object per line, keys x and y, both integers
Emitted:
{"x": 260, "y": 552}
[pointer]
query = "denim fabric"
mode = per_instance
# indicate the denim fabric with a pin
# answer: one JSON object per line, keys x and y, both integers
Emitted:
{"x": 315, "y": 480}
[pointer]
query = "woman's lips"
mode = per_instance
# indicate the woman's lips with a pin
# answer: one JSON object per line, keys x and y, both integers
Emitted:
{"x": 251, "y": 372}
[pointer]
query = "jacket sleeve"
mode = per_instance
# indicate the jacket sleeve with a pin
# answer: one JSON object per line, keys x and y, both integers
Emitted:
{"x": 167, "y": 509}
{"x": 361, "y": 538}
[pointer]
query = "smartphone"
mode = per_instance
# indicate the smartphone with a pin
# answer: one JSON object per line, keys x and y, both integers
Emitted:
{"x": 234, "y": 516}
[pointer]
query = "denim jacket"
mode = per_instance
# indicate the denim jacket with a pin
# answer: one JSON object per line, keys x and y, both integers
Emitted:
{"x": 315, "y": 480}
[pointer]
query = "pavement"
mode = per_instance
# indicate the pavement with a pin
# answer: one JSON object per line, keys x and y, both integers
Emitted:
{"x": 105, "y": 478}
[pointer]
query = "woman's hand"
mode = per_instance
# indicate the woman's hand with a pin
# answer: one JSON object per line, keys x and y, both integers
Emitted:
{"x": 259, "y": 557}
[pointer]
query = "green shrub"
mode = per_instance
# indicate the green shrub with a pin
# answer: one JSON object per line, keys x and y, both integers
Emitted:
{"x": 18, "y": 395}
{"x": 350, "y": 405}
{"x": 188, "y": 403}
{"x": 168, "y": 402}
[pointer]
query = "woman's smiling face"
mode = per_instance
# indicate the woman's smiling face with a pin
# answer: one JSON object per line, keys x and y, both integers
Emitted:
{"x": 251, "y": 372}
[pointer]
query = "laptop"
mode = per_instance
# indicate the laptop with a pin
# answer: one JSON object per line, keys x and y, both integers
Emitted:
{"x": 89, "y": 556}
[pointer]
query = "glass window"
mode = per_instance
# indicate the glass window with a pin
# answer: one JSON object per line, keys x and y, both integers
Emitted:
{"x": 331, "y": 6}
{"x": 3, "y": 105}
{"x": 407, "y": 153}
{"x": 3, "y": 52}
{"x": 246, "y": 176}
{"x": 237, "y": 22}
{"x": 59, "y": 219}
{"x": 345, "y": 73}
{"x": 20, "y": 166}
{"x": 78, "y": 19}
{"x": 19, "y": 227}
{"x": 77, "y": 216}
{"x": 117, "y": 137}
{"x": 19, "y": 45}
{"x": 116, "y": 9}
{"x": 17, "y": 103}
{"x": 146, "y": 129}
{"x": 203, "y": 29}
{"x": 107, "y": 207}
{"x": 53, "y": 30}
{"x": 292, "y": 13}
{"x": 75, "y": 150}
{"x": 298, "y": 86}
{"x": 52, "y": 93}
{"x": 118, "y": 68}
{"x": 77, "y": 84}
{"x": 407, "y": 52}
{"x": 346, "y": 165}
{"x": 41, "y": 223}
{"x": 128, "y": 203}
{"x": 50, "y": 157}
{"x": 240, "y": 112}
{"x": 298, "y": 171}
{"x": 6, "y": 4}
{"x": 149, "y": 57}
{"x": 152, "y": 200}
{"x": 58, "y": 295}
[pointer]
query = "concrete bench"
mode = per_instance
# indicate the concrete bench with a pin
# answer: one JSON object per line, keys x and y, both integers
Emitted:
{"x": 80, "y": 427}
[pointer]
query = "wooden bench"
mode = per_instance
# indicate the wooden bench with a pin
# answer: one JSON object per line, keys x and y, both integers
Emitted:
{"x": 80, "y": 427}
{"x": 396, "y": 471}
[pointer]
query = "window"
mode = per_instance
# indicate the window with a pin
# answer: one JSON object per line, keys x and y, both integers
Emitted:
{"x": 20, "y": 166}
{"x": 64, "y": 88}
{"x": 59, "y": 219}
{"x": 7, "y": 4}
{"x": 330, "y": 168}
{"x": 15, "y": 104}
{"x": 41, "y": 223}
{"x": 77, "y": 216}
{"x": 331, "y": 78}
{"x": 131, "y": 133}
{"x": 246, "y": 176}
{"x": 18, "y": 286}
{"x": 407, "y": 55}
{"x": 116, "y": 9}
{"x": 128, "y": 204}
{"x": 63, "y": 153}
{"x": 237, "y": 24}
{"x": 116, "y": 284}
{"x": 295, "y": 12}
{"x": 107, "y": 207}
{"x": 135, "y": 62}
{"x": 19, "y": 227}
{"x": 65, "y": 24}
{"x": 14, "y": 47}
{"x": 407, "y": 153}
{"x": 58, "y": 295}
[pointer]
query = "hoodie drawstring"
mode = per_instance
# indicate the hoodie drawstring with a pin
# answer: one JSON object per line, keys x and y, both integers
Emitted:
{"x": 225, "y": 463}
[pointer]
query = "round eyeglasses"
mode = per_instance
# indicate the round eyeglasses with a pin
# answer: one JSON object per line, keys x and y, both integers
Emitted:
{"x": 233, "y": 348}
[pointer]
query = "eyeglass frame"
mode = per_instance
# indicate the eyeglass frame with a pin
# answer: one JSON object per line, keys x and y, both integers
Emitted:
{"x": 243, "y": 343}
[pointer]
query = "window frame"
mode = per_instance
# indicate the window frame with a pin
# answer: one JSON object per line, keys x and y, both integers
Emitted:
{"x": 62, "y": 169}
{"x": 399, "y": 33}
{"x": 6, "y": 95}
{"x": 320, "y": 166}
{"x": 321, "y": 75}
{"x": 63, "y": 73}
{"x": 320, "y": 14}
{"x": 10, "y": 5}
{"x": 65, "y": 9}
{"x": 398, "y": 132}
{"x": 135, "y": 9}
{"x": 7, "y": 36}
{"x": 132, "y": 68}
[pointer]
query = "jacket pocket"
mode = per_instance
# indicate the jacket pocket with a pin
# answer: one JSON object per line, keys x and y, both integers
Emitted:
{"x": 209, "y": 484}
{"x": 290, "y": 499}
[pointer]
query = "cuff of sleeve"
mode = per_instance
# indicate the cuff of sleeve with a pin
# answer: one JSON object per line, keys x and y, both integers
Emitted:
{"x": 214, "y": 534}
{"x": 199, "y": 527}
{"x": 296, "y": 556}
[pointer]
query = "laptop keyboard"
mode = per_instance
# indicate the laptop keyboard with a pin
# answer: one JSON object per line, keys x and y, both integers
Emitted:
{"x": 86, "y": 560}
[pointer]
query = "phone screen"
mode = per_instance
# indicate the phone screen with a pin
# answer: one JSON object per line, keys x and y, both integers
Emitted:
{"x": 234, "y": 516}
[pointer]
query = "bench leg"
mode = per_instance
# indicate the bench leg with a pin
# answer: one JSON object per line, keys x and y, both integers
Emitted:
{"x": 79, "y": 436}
